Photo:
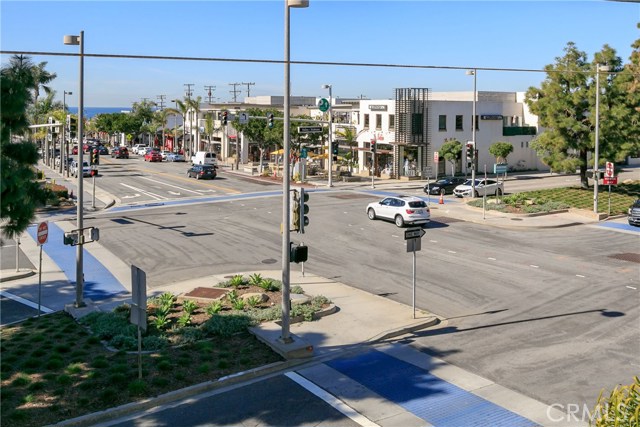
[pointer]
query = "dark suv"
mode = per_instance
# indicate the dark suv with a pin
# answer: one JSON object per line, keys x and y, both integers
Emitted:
{"x": 634, "y": 213}
{"x": 202, "y": 172}
{"x": 120, "y": 153}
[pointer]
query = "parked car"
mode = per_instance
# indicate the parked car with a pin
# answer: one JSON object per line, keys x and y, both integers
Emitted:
{"x": 86, "y": 169}
{"x": 164, "y": 154}
{"x": 175, "y": 157}
{"x": 202, "y": 172}
{"x": 67, "y": 162}
{"x": 444, "y": 185}
{"x": 153, "y": 156}
{"x": 74, "y": 151}
{"x": 204, "y": 158}
{"x": 634, "y": 213}
{"x": 489, "y": 187}
{"x": 102, "y": 150}
{"x": 400, "y": 209}
{"x": 120, "y": 153}
{"x": 139, "y": 149}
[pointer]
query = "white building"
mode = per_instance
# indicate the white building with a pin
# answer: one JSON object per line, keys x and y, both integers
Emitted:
{"x": 407, "y": 131}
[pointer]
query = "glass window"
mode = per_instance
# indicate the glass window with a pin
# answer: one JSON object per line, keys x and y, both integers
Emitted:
{"x": 459, "y": 122}
{"x": 366, "y": 121}
{"x": 378, "y": 121}
{"x": 392, "y": 121}
{"x": 442, "y": 122}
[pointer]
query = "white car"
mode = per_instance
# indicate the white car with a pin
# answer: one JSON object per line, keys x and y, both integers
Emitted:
{"x": 86, "y": 168}
{"x": 164, "y": 154}
{"x": 139, "y": 149}
{"x": 401, "y": 210}
{"x": 488, "y": 187}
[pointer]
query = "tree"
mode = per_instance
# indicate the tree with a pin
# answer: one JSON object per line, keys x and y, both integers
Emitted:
{"x": 194, "y": 104}
{"x": 257, "y": 131}
{"x": 348, "y": 135}
{"x": 20, "y": 192}
{"x": 500, "y": 150}
{"x": 565, "y": 106}
{"x": 451, "y": 150}
{"x": 41, "y": 78}
{"x": 181, "y": 111}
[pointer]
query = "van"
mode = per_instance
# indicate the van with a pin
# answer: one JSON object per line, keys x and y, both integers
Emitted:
{"x": 204, "y": 158}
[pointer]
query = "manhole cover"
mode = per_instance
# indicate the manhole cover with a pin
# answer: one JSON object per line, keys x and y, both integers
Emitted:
{"x": 269, "y": 261}
{"x": 209, "y": 293}
{"x": 627, "y": 256}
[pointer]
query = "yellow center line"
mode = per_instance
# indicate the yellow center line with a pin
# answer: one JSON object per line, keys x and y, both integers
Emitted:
{"x": 184, "y": 178}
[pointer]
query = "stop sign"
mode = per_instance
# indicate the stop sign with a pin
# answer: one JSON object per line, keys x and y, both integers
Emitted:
{"x": 43, "y": 233}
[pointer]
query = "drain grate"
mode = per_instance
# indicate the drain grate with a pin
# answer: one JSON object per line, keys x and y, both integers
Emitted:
{"x": 208, "y": 293}
{"x": 627, "y": 256}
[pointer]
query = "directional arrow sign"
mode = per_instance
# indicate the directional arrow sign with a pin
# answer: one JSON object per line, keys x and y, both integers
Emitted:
{"x": 413, "y": 233}
{"x": 309, "y": 129}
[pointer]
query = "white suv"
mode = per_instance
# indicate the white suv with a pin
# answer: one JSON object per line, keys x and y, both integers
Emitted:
{"x": 401, "y": 210}
{"x": 484, "y": 187}
{"x": 139, "y": 149}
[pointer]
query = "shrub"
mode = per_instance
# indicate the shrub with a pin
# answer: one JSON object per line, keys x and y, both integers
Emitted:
{"x": 124, "y": 342}
{"x": 189, "y": 335}
{"x": 137, "y": 387}
{"x": 184, "y": 319}
{"x": 297, "y": 290}
{"x": 620, "y": 408}
{"x": 107, "y": 325}
{"x": 227, "y": 325}
{"x": 255, "y": 279}
{"x": 239, "y": 304}
{"x": 21, "y": 380}
{"x": 236, "y": 281}
{"x": 189, "y": 306}
{"x": 253, "y": 301}
{"x": 153, "y": 342}
{"x": 270, "y": 285}
{"x": 214, "y": 307}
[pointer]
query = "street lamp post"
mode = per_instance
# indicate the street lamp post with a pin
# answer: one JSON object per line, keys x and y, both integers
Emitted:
{"x": 473, "y": 132}
{"x": 597, "y": 138}
{"x": 79, "y": 41}
{"x": 64, "y": 165}
{"x": 286, "y": 238}
{"x": 330, "y": 154}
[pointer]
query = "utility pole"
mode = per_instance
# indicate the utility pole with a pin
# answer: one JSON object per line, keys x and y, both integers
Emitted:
{"x": 235, "y": 91}
{"x": 161, "y": 103}
{"x": 189, "y": 92}
{"x": 209, "y": 90}
{"x": 248, "y": 87}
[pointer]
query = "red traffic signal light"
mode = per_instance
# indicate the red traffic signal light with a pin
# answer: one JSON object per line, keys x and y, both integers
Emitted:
{"x": 373, "y": 145}
{"x": 224, "y": 117}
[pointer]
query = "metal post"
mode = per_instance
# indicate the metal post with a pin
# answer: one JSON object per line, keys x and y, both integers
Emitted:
{"x": 373, "y": 169}
{"x": 40, "y": 282}
{"x": 79, "y": 40}
{"x": 414, "y": 284}
{"x": 484, "y": 196}
{"x": 17, "y": 254}
{"x": 473, "y": 125}
{"x": 93, "y": 198}
{"x": 330, "y": 156}
{"x": 286, "y": 238}
{"x": 597, "y": 140}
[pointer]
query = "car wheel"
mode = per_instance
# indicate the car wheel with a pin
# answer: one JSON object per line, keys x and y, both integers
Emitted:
{"x": 477, "y": 194}
{"x": 399, "y": 221}
{"x": 371, "y": 214}
{"x": 498, "y": 192}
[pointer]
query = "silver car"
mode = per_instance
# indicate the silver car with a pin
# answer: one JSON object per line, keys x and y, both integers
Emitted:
{"x": 488, "y": 187}
{"x": 401, "y": 210}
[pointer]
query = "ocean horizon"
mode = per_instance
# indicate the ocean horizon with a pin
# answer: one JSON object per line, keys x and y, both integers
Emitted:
{"x": 90, "y": 112}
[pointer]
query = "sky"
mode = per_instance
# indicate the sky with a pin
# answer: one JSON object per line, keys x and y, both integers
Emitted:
{"x": 516, "y": 35}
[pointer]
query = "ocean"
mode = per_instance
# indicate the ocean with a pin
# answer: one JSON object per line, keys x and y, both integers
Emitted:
{"x": 90, "y": 112}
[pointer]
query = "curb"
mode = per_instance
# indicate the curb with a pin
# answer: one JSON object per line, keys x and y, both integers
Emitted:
{"x": 16, "y": 276}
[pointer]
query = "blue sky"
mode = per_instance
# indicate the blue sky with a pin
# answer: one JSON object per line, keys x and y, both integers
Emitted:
{"x": 498, "y": 34}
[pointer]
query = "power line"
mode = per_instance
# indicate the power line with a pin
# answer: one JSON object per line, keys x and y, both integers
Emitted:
{"x": 248, "y": 87}
{"x": 235, "y": 91}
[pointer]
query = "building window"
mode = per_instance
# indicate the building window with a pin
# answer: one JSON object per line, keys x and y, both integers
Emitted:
{"x": 417, "y": 124}
{"x": 442, "y": 122}
{"x": 459, "y": 122}
{"x": 392, "y": 121}
{"x": 379, "y": 121}
{"x": 366, "y": 121}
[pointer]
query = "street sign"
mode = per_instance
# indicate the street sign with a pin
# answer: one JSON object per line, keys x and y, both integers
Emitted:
{"x": 323, "y": 105}
{"x": 413, "y": 233}
{"x": 243, "y": 118}
{"x": 610, "y": 181}
{"x": 500, "y": 168}
{"x": 436, "y": 157}
{"x": 309, "y": 129}
{"x": 303, "y": 153}
{"x": 43, "y": 233}
{"x": 139, "y": 297}
{"x": 608, "y": 170}
{"x": 414, "y": 245}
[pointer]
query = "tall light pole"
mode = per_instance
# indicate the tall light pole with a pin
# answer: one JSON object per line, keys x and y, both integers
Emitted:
{"x": 79, "y": 40}
{"x": 473, "y": 73}
{"x": 175, "y": 128}
{"x": 286, "y": 238}
{"x": 64, "y": 165}
{"x": 597, "y": 138}
{"x": 330, "y": 155}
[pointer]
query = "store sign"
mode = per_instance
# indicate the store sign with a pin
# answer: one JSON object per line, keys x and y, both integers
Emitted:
{"x": 491, "y": 117}
{"x": 378, "y": 107}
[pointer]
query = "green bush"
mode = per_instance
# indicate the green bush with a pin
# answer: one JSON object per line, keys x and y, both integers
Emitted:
{"x": 297, "y": 290}
{"x": 137, "y": 387}
{"x": 255, "y": 279}
{"x": 124, "y": 342}
{"x": 107, "y": 325}
{"x": 213, "y": 308}
{"x": 620, "y": 409}
{"x": 188, "y": 335}
{"x": 189, "y": 306}
{"x": 226, "y": 325}
{"x": 236, "y": 281}
{"x": 154, "y": 342}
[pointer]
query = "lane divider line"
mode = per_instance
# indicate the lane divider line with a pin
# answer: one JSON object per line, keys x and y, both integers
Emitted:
{"x": 25, "y": 302}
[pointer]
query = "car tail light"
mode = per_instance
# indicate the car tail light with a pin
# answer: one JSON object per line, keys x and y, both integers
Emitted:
{"x": 410, "y": 211}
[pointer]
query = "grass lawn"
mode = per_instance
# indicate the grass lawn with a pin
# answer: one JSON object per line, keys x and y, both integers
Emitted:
{"x": 622, "y": 196}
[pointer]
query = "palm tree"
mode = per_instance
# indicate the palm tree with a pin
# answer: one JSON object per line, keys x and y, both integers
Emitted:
{"x": 182, "y": 112}
{"x": 41, "y": 78}
{"x": 160, "y": 120}
{"x": 349, "y": 136}
{"x": 194, "y": 104}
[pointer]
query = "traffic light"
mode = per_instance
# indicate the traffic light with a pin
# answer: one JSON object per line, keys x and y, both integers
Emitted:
{"x": 73, "y": 126}
{"x": 294, "y": 202}
{"x": 470, "y": 151}
{"x": 71, "y": 238}
{"x": 373, "y": 145}
{"x": 304, "y": 209}
{"x": 270, "y": 120}
{"x": 224, "y": 118}
{"x": 334, "y": 148}
{"x": 95, "y": 157}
